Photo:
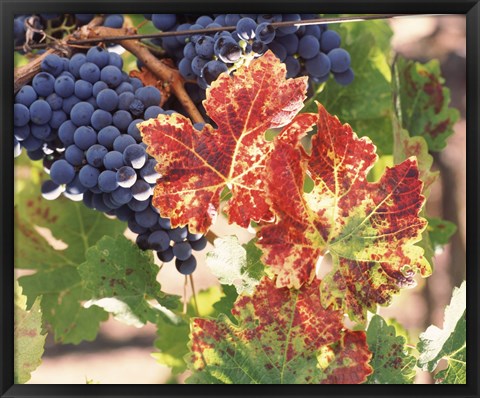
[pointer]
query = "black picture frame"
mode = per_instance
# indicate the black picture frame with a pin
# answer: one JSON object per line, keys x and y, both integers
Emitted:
{"x": 469, "y": 8}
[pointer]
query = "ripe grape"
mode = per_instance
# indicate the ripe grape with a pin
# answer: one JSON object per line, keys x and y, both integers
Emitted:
{"x": 111, "y": 75}
{"x": 95, "y": 155}
{"x": 339, "y": 60}
{"x": 329, "y": 40}
{"x": 107, "y": 181}
{"x": 40, "y": 112}
{"x": 62, "y": 172}
{"x": 21, "y": 115}
{"x": 98, "y": 56}
{"x": 122, "y": 141}
{"x": 182, "y": 250}
{"x": 344, "y": 78}
{"x": 64, "y": 86}
{"x": 74, "y": 155}
{"x": 84, "y": 137}
{"x": 26, "y": 96}
{"x": 126, "y": 176}
{"x": 186, "y": 267}
{"x": 81, "y": 113}
{"x": 51, "y": 190}
{"x": 89, "y": 176}
{"x": 134, "y": 156}
{"x": 113, "y": 160}
{"x": 89, "y": 72}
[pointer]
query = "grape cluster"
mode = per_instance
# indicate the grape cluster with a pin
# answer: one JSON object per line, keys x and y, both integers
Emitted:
{"x": 312, "y": 51}
{"x": 80, "y": 115}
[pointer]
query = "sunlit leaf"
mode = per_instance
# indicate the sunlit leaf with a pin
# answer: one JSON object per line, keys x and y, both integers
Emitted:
{"x": 391, "y": 361}
{"x": 424, "y": 102}
{"x": 369, "y": 229}
{"x": 29, "y": 338}
{"x": 116, "y": 271}
{"x": 197, "y": 165}
{"x": 283, "y": 337}
{"x": 448, "y": 343}
{"x": 57, "y": 279}
{"x": 235, "y": 264}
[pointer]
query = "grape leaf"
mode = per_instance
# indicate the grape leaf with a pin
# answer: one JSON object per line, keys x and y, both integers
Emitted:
{"x": 367, "y": 102}
{"x": 70, "y": 222}
{"x": 369, "y": 229}
{"x": 283, "y": 337}
{"x": 116, "y": 271}
{"x": 448, "y": 343}
{"x": 29, "y": 339}
{"x": 62, "y": 294}
{"x": 57, "y": 279}
{"x": 197, "y": 165}
{"x": 235, "y": 264}
{"x": 406, "y": 146}
{"x": 226, "y": 302}
{"x": 424, "y": 102}
{"x": 391, "y": 361}
{"x": 440, "y": 231}
{"x": 173, "y": 329}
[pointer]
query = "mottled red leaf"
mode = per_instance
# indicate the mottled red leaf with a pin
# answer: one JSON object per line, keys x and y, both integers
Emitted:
{"x": 369, "y": 229}
{"x": 424, "y": 102}
{"x": 282, "y": 336}
{"x": 197, "y": 165}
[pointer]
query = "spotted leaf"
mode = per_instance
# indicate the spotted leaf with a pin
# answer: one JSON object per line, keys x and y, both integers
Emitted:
{"x": 197, "y": 165}
{"x": 425, "y": 102}
{"x": 369, "y": 229}
{"x": 282, "y": 336}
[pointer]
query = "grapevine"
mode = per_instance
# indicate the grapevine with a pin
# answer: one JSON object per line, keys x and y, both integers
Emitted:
{"x": 140, "y": 143}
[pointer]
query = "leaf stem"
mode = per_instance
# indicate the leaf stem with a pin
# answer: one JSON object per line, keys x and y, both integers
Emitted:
{"x": 211, "y": 236}
{"x": 185, "y": 295}
{"x": 194, "y": 296}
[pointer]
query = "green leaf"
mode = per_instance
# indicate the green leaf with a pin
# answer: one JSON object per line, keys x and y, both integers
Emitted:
{"x": 282, "y": 336}
{"x": 69, "y": 222}
{"x": 406, "y": 146}
{"x": 448, "y": 343}
{"x": 62, "y": 294}
{"x": 367, "y": 103}
{"x": 225, "y": 304}
{"x": 440, "y": 231}
{"x": 121, "y": 278}
{"x": 173, "y": 329}
{"x": 235, "y": 264}
{"x": 424, "y": 102}
{"x": 57, "y": 279}
{"x": 391, "y": 361}
{"x": 29, "y": 340}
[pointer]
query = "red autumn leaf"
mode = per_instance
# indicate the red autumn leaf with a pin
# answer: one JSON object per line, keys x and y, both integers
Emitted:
{"x": 197, "y": 165}
{"x": 282, "y": 336}
{"x": 369, "y": 229}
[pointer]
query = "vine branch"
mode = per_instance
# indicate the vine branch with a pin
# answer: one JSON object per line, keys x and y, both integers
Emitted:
{"x": 25, "y": 73}
{"x": 165, "y": 73}
{"x": 305, "y": 22}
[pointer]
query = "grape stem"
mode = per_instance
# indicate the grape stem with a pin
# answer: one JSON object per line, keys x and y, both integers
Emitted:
{"x": 210, "y": 236}
{"x": 166, "y": 74}
{"x": 25, "y": 73}
{"x": 197, "y": 312}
